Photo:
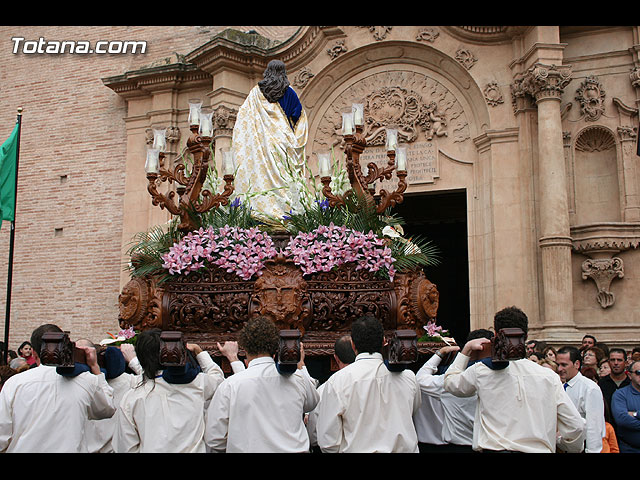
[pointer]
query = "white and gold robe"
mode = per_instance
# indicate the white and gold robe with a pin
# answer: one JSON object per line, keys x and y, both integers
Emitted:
{"x": 266, "y": 149}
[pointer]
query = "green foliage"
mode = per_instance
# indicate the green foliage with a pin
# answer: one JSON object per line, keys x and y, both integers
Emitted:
{"x": 147, "y": 249}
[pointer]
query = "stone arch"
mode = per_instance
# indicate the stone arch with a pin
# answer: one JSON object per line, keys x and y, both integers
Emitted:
{"x": 424, "y": 74}
{"x": 596, "y": 176}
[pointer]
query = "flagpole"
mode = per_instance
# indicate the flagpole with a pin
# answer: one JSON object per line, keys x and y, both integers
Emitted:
{"x": 11, "y": 245}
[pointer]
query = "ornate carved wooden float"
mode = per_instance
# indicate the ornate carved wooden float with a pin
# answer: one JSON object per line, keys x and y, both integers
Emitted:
{"x": 212, "y": 305}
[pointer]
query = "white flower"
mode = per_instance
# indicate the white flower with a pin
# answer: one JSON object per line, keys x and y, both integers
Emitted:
{"x": 389, "y": 231}
{"x": 108, "y": 341}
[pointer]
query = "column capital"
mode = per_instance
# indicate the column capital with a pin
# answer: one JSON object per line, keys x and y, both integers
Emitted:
{"x": 543, "y": 82}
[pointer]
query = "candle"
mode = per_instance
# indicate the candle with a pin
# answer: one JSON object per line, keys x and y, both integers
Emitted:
{"x": 160, "y": 139}
{"x": 358, "y": 113}
{"x": 152, "y": 164}
{"x": 194, "y": 112}
{"x": 392, "y": 139}
{"x": 228, "y": 162}
{"x": 347, "y": 123}
{"x": 401, "y": 159}
{"x": 324, "y": 164}
{"x": 206, "y": 124}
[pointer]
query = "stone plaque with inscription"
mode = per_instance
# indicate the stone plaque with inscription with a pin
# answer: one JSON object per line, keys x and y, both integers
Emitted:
{"x": 422, "y": 164}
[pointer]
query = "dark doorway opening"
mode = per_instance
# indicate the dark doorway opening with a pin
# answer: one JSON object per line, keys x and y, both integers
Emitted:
{"x": 441, "y": 217}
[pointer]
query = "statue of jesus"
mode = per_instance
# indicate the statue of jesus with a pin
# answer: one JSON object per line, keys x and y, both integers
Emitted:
{"x": 269, "y": 140}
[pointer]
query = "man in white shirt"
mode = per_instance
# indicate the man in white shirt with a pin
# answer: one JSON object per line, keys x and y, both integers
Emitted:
{"x": 99, "y": 433}
{"x": 522, "y": 406}
{"x": 343, "y": 355}
{"x": 164, "y": 412}
{"x": 585, "y": 394}
{"x": 458, "y": 413}
{"x": 366, "y": 408}
{"x": 258, "y": 409}
{"x": 42, "y": 411}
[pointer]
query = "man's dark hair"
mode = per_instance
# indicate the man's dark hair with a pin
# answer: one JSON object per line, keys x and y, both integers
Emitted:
{"x": 259, "y": 336}
{"x": 511, "y": 317}
{"x": 344, "y": 350}
{"x": 367, "y": 334}
{"x": 480, "y": 333}
{"x": 36, "y": 335}
{"x": 619, "y": 350}
{"x": 148, "y": 352}
{"x": 574, "y": 353}
{"x": 275, "y": 81}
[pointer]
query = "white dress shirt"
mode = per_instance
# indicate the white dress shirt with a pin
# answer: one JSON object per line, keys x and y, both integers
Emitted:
{"x": 44, "y": 412}
{"x": 587, "y": 397}
{"x": 366, "y": 408}
{"x": 458, "y": 413}
{"x": 520, "y": 408}
{"x": 260, "y": 410}
{"x": 161, "y": 417}
{"x": 100, "y": 432}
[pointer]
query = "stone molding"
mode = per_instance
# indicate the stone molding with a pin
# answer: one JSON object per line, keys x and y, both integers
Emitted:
{"x": 606, "y": 238}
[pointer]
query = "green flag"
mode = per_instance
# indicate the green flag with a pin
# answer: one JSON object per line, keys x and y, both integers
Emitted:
{"x": 8, "y": 169}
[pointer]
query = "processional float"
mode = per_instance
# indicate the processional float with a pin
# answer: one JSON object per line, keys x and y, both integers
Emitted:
{"x": 211, "y": 305}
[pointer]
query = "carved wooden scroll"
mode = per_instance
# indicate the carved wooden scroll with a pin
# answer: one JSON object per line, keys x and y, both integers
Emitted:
{"x": 508, "y": 344}
{"x": 289, "y": 352}
{"x": 57, "y": 350}
{"x": 402, "y": 349}
{"x": 173, "y": 349}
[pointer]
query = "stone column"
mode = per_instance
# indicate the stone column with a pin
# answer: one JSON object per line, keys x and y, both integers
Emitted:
{"x": 545, "y": 83}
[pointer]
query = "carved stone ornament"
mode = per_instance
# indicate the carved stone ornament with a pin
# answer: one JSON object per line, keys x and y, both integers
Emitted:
{"x": 603, "y": 271}
{"x": 405, "y": 110}
{"x": 418, "y": 106}
{"x": 590, "y": 95}
{"x": 428, "y": 34}
{"x": 492, "y": 94}
{"x": 337, "y": 49}
{"x": 379, "y": 32}
{"x": 224, "y": 119}
{"x": 466, "y": 58}
{"x": 301, "y": 78}
{"x": 634, "y": 76}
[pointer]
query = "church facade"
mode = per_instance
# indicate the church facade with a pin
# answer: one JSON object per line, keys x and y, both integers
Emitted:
{"x": 532, "y": 129}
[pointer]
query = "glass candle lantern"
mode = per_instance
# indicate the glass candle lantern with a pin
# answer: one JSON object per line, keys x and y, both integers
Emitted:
{"x": 392, "y": 139}
{"x": 347, "y": 123}
{"x": 152, "y": 164}
{"x": 194, "y": 112}
{"x": 324, "y": 164}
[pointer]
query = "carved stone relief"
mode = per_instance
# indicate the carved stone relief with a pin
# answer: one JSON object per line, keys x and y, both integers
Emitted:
{"x": 302, "y": 77}
{"x": 418, "y": 106}
{"x": 337, "y": 49}
{"x": 602, "y": 271}
{"x": 590, "y": 95}
{"x": 425, "y": 113}
{"x": 492, "y": 94}
{"x": 428, "y": 34}
{"x": 466, "y": 58}
{"x": 379, "y": 33}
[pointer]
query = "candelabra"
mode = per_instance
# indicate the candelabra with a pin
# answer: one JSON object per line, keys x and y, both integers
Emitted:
{"x": 191, "y": 196}
{"x": 355, "y": 144}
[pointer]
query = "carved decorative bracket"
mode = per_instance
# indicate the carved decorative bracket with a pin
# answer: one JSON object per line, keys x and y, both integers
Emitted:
{"x": 603, "y": 271}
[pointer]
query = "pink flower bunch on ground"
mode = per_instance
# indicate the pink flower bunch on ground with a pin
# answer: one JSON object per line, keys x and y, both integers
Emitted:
{"x": 238, "y": 250}
{"x": 330, "y": 246}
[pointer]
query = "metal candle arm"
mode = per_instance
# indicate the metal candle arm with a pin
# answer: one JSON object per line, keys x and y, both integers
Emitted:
{"x": 189, "y": 188}
{"x": 355, "y": 145}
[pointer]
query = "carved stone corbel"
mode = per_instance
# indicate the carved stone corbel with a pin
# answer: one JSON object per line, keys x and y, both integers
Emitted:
{"x": 492, "y": 94}
{"x": 224, "y": 119}
{"x": 603, "y": 271}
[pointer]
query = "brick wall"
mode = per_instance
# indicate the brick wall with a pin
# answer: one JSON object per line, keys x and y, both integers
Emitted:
{"x": 71, "y": 177}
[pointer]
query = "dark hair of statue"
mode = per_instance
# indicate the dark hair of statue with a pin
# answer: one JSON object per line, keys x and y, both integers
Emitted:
{"x": 275, "y": 81}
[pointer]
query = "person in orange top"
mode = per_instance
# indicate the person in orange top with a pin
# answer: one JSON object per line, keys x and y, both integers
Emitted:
{"x": 610, "y": 441}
